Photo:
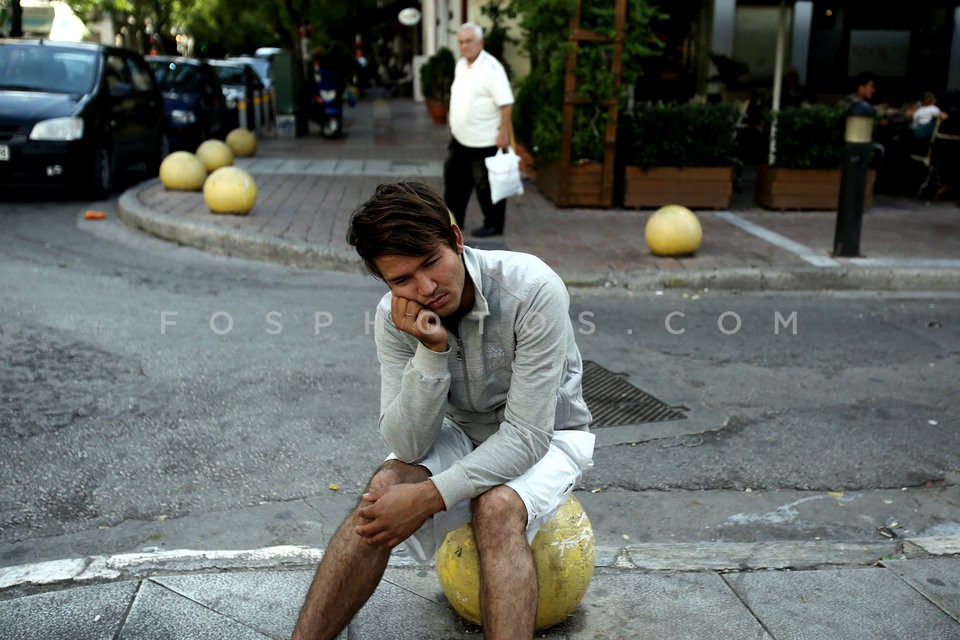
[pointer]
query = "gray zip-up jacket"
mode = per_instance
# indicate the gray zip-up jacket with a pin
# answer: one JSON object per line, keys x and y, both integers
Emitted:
{"x": 510, "y": 378}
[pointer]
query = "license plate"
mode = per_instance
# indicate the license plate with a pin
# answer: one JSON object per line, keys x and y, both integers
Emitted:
{"x": 4, "y": 152}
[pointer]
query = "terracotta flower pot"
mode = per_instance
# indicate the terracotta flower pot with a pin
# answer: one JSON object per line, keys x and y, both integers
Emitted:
{"x": 438, "y": 110}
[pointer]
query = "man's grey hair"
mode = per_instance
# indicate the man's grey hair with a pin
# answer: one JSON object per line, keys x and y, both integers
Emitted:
{"x": 477, "y": 29}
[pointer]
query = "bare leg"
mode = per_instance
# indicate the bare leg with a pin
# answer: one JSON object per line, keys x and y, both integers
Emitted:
{"x": 350, "y": 569}
{"x": 508, "y": 575}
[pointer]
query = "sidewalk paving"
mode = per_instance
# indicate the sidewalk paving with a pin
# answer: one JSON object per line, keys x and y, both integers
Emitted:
{"x": 309, "y": 186}
{"x": 257, "y": 595}
{"x": 833, "y": 590}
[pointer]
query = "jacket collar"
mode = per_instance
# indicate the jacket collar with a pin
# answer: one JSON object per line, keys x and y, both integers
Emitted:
{"x": 471, "y": 258}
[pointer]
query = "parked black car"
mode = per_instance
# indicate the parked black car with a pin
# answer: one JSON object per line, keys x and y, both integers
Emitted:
{"x": 241, "y": 85}
{"x": 76, "y": 113}
{"x": 196, "y": 106}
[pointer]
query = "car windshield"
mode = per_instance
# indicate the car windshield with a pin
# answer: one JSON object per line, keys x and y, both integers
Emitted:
{"x": 47, "y": 68}
{"x": 261, "y": 66}
{"x": 230, "y": 75}
{"x": 175, "y": 76}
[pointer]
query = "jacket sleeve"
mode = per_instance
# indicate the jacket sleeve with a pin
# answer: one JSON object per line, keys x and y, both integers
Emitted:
{"x": 543, "y": 331}
{"x": 413, "y": 390}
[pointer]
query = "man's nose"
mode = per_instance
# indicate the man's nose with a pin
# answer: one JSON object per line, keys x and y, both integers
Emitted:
{"x": 426, "y": 285}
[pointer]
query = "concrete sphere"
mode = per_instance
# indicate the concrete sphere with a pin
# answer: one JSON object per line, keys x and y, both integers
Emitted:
{"x": 230, "y": 190}
{"x": 182, "y": 171}
{"x": 563, "y": 551}
{"x": 214, "y": 154}
{"x": 242, "y": 141}
{"x": 673, "y": 231}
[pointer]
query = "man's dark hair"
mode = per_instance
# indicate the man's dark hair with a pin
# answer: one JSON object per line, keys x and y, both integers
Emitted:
{"x": 400, "y": 219}
{"x": 863, "y": 78}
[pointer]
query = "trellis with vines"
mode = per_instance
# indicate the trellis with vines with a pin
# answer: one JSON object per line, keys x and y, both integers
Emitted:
{"x": 552, "y": 31}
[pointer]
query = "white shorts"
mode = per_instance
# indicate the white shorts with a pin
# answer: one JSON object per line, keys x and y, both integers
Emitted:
{"x": 543, "y": 488}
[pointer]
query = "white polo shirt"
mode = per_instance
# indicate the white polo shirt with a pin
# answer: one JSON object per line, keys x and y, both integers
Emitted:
{"x": 477, "y": 93}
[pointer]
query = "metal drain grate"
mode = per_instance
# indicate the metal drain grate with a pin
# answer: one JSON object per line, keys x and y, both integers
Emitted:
{"x": 615, "y": 402}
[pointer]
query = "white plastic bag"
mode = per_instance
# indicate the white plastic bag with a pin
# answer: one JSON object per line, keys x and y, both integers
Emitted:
{"x": 503, "y": 173}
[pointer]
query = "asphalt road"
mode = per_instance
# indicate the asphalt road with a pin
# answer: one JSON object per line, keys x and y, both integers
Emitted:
{"x": 154, "y": 396}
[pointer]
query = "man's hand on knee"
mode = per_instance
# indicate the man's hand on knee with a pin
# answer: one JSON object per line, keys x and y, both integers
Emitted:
{"x": 393, "y": 514}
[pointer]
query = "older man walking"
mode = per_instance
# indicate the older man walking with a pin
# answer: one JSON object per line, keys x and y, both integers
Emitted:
{"x": 481, "y": 103}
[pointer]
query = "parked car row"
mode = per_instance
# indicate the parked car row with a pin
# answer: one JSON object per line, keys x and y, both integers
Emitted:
{"x": 240, "y": 84}
{"x": 196, "y": 105}
{"x": 77, "y": 113}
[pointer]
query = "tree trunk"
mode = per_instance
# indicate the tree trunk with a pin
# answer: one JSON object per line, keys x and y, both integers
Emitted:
{"x": 16, "y": 19}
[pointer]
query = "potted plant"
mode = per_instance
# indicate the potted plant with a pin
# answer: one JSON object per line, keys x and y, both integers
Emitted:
{"x": 436, "y": 76}
{"x": 681, "y": 154}
{"x": 808, "y": 154}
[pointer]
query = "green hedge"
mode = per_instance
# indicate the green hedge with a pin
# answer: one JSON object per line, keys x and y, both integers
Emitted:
{"x": 684, "y": 135}
{"x": 809, "y": 137}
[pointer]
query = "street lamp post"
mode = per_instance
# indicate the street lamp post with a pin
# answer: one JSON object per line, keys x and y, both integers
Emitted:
{"x": 858, "y": 136}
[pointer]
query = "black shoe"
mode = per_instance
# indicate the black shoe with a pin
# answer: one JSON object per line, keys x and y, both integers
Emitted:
{"x": 485, "y": 232}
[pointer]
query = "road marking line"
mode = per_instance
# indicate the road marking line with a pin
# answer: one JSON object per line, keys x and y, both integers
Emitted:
{"x": 802, "y": 251}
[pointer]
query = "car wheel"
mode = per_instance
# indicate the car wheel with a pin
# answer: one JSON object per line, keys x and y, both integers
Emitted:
{"x": 102, "y": 172}
{"x": 161, "y": 151}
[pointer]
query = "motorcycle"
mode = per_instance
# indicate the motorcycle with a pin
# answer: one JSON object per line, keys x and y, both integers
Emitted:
{"x": 327, "y": 106}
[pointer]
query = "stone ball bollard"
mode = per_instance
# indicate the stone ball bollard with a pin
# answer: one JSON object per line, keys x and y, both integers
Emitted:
{"x": 182, "y": 171}
{"x": 673, "y": 230}
{"x": 214, "y": 154}
{"x": 242, "y": 142}
{"x": 230, "y": 190}
{"x": 564, "y": 554}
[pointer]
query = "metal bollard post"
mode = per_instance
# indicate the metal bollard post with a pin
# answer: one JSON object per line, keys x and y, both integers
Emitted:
{"x": 257, "y": 105}
{"x": 242, "y": 112}
{"x": 858, "y": 136}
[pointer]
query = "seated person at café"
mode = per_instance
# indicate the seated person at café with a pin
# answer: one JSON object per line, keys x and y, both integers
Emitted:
{"x": 923, "y": 119}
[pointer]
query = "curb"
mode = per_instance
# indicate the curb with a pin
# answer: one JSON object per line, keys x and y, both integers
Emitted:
{"x": 231, "y": 242}
{"x": 813, "y": 279}
{"x": 686, "y": 557}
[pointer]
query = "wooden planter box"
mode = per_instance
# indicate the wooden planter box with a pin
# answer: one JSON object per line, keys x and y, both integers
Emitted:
{"x": 582, "y": 188}
{"x": 695, "y": 187}
{"x": 779, "y": 188}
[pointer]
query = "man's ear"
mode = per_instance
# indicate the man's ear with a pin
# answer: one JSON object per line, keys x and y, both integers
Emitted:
{"x": 459, "y": 234}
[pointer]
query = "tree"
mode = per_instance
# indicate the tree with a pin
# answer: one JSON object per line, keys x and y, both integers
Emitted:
{"x": 16, "y": 19}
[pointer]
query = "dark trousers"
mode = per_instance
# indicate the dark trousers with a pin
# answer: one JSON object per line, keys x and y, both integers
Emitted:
{"x": 464, "y": 171}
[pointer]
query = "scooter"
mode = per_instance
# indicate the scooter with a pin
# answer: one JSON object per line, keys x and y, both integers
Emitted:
{"x": 327, "y": 107}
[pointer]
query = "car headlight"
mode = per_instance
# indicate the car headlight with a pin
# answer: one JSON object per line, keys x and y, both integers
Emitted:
{"x": 58, "y": 129}
{"x": 182, "y": 116}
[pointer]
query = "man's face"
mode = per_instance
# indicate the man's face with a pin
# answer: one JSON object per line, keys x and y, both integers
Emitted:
{"x": 470, "y": 47}
{"x": 435, "y": 281}
{"x": 866, "y": 90}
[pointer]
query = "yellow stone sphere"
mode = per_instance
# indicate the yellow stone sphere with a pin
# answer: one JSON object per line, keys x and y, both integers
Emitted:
{"x": 673, "y": 231}
{"x": 242, "y": 141}
{"x": 563, "y": 551}
{"x": 214, "y": 154}
{"x": 182, "y": 171}
{"x": 230, "y": 190}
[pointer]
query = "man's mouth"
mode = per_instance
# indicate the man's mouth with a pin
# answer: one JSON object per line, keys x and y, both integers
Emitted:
{"x": 437, "y": 302}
